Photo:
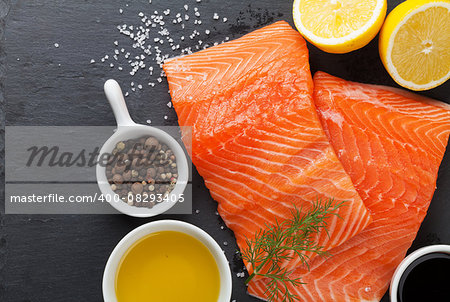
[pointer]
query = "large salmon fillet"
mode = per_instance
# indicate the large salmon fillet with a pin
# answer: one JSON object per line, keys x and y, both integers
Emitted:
{"x": 391, "y": 143}
{"x": 256, "y": 137}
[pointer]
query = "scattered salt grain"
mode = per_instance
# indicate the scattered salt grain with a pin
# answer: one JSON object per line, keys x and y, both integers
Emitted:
{"x": 56, "y": 45}
{"x": 225, "y": 243}
{"x": 142, "y": 33}
{"x": 149, "y": 121}
{"x": 92, "y": 61}
{"x": 126, "y": 93}
{"x": 197, "y": 211}
{"x": 111, "y": 65}
{"x": 169, "y": 104}
{"x": 225, "y": 20}
{"x": 166, "y": 117}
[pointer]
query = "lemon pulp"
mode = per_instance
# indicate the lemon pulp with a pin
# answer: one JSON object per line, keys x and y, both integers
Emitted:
{"x": 167, "y": 266}
{"x": 414, "y": 43}
{"x": 335, "y": 18}
{"x": 425, "y": 40}
{"x": 339, "y": 26}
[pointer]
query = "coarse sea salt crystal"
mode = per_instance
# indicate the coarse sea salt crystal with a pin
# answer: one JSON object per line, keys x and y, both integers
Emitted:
{"x": 120, "y": 11}
{"x": 92, "y": 61}
{"x": 56, "y": 45}
{"x": 166, "y": 117}
{"x": 216, "y": 16}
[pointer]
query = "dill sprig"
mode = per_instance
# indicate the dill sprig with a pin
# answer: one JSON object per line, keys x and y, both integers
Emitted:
{"x": 281, "y": 242}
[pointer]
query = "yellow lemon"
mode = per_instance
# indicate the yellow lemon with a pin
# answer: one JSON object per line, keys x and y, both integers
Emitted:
{"x": 339, "y": 26}
{"x": 414, "y": 43}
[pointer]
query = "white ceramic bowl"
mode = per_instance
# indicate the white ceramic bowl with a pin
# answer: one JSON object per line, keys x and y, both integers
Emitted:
{"x": 112, "y": 265}
{"x": 128, "y": 129}
{"x": 393, "y": 290}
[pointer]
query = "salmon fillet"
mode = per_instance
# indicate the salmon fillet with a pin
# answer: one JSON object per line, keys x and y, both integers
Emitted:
{"x": 391, "y": 143}
{"x": 256, "y": 137}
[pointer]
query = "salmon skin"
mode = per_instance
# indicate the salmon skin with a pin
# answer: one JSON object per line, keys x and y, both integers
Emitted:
{"x": 256, "y": 138}
{"x": 391, "y": 143}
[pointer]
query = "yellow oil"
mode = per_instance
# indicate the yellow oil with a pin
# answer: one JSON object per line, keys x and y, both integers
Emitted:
{"x": 167, "y": 266}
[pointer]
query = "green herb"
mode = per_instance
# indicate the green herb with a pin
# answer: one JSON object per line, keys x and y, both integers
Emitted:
{"x": 280, "y": 242}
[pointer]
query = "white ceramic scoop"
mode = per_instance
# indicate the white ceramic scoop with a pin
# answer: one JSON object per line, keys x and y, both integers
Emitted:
{"x": 128, "y": 129}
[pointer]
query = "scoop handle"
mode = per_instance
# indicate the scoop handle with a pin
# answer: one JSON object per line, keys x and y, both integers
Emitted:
{"x": 115, "y": 97}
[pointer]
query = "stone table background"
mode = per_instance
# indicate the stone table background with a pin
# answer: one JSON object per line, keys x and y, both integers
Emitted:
{"x": 62, "y": 257}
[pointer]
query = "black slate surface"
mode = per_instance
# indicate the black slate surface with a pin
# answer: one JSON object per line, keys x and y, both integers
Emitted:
{"x": 61, "y": 258}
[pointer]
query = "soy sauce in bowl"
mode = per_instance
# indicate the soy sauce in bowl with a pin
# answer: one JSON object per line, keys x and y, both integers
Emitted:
{"x": 426, "y": 279}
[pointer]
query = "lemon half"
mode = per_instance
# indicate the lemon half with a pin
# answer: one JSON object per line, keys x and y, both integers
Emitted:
{"x": 339, "y": 26}
{"x": 414, "y": 44}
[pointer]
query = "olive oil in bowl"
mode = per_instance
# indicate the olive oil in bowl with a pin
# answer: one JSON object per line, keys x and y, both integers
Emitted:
{"x": 167, "y": 266}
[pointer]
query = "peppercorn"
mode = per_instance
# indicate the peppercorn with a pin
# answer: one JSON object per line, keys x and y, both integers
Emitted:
{"x": 137, "y": 188}
{"x": 117, "y": 179}
{"x": 120, "y": 146}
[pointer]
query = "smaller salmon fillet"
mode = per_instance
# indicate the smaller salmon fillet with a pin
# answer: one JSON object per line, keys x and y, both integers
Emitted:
{"x": 391, "y": 143}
